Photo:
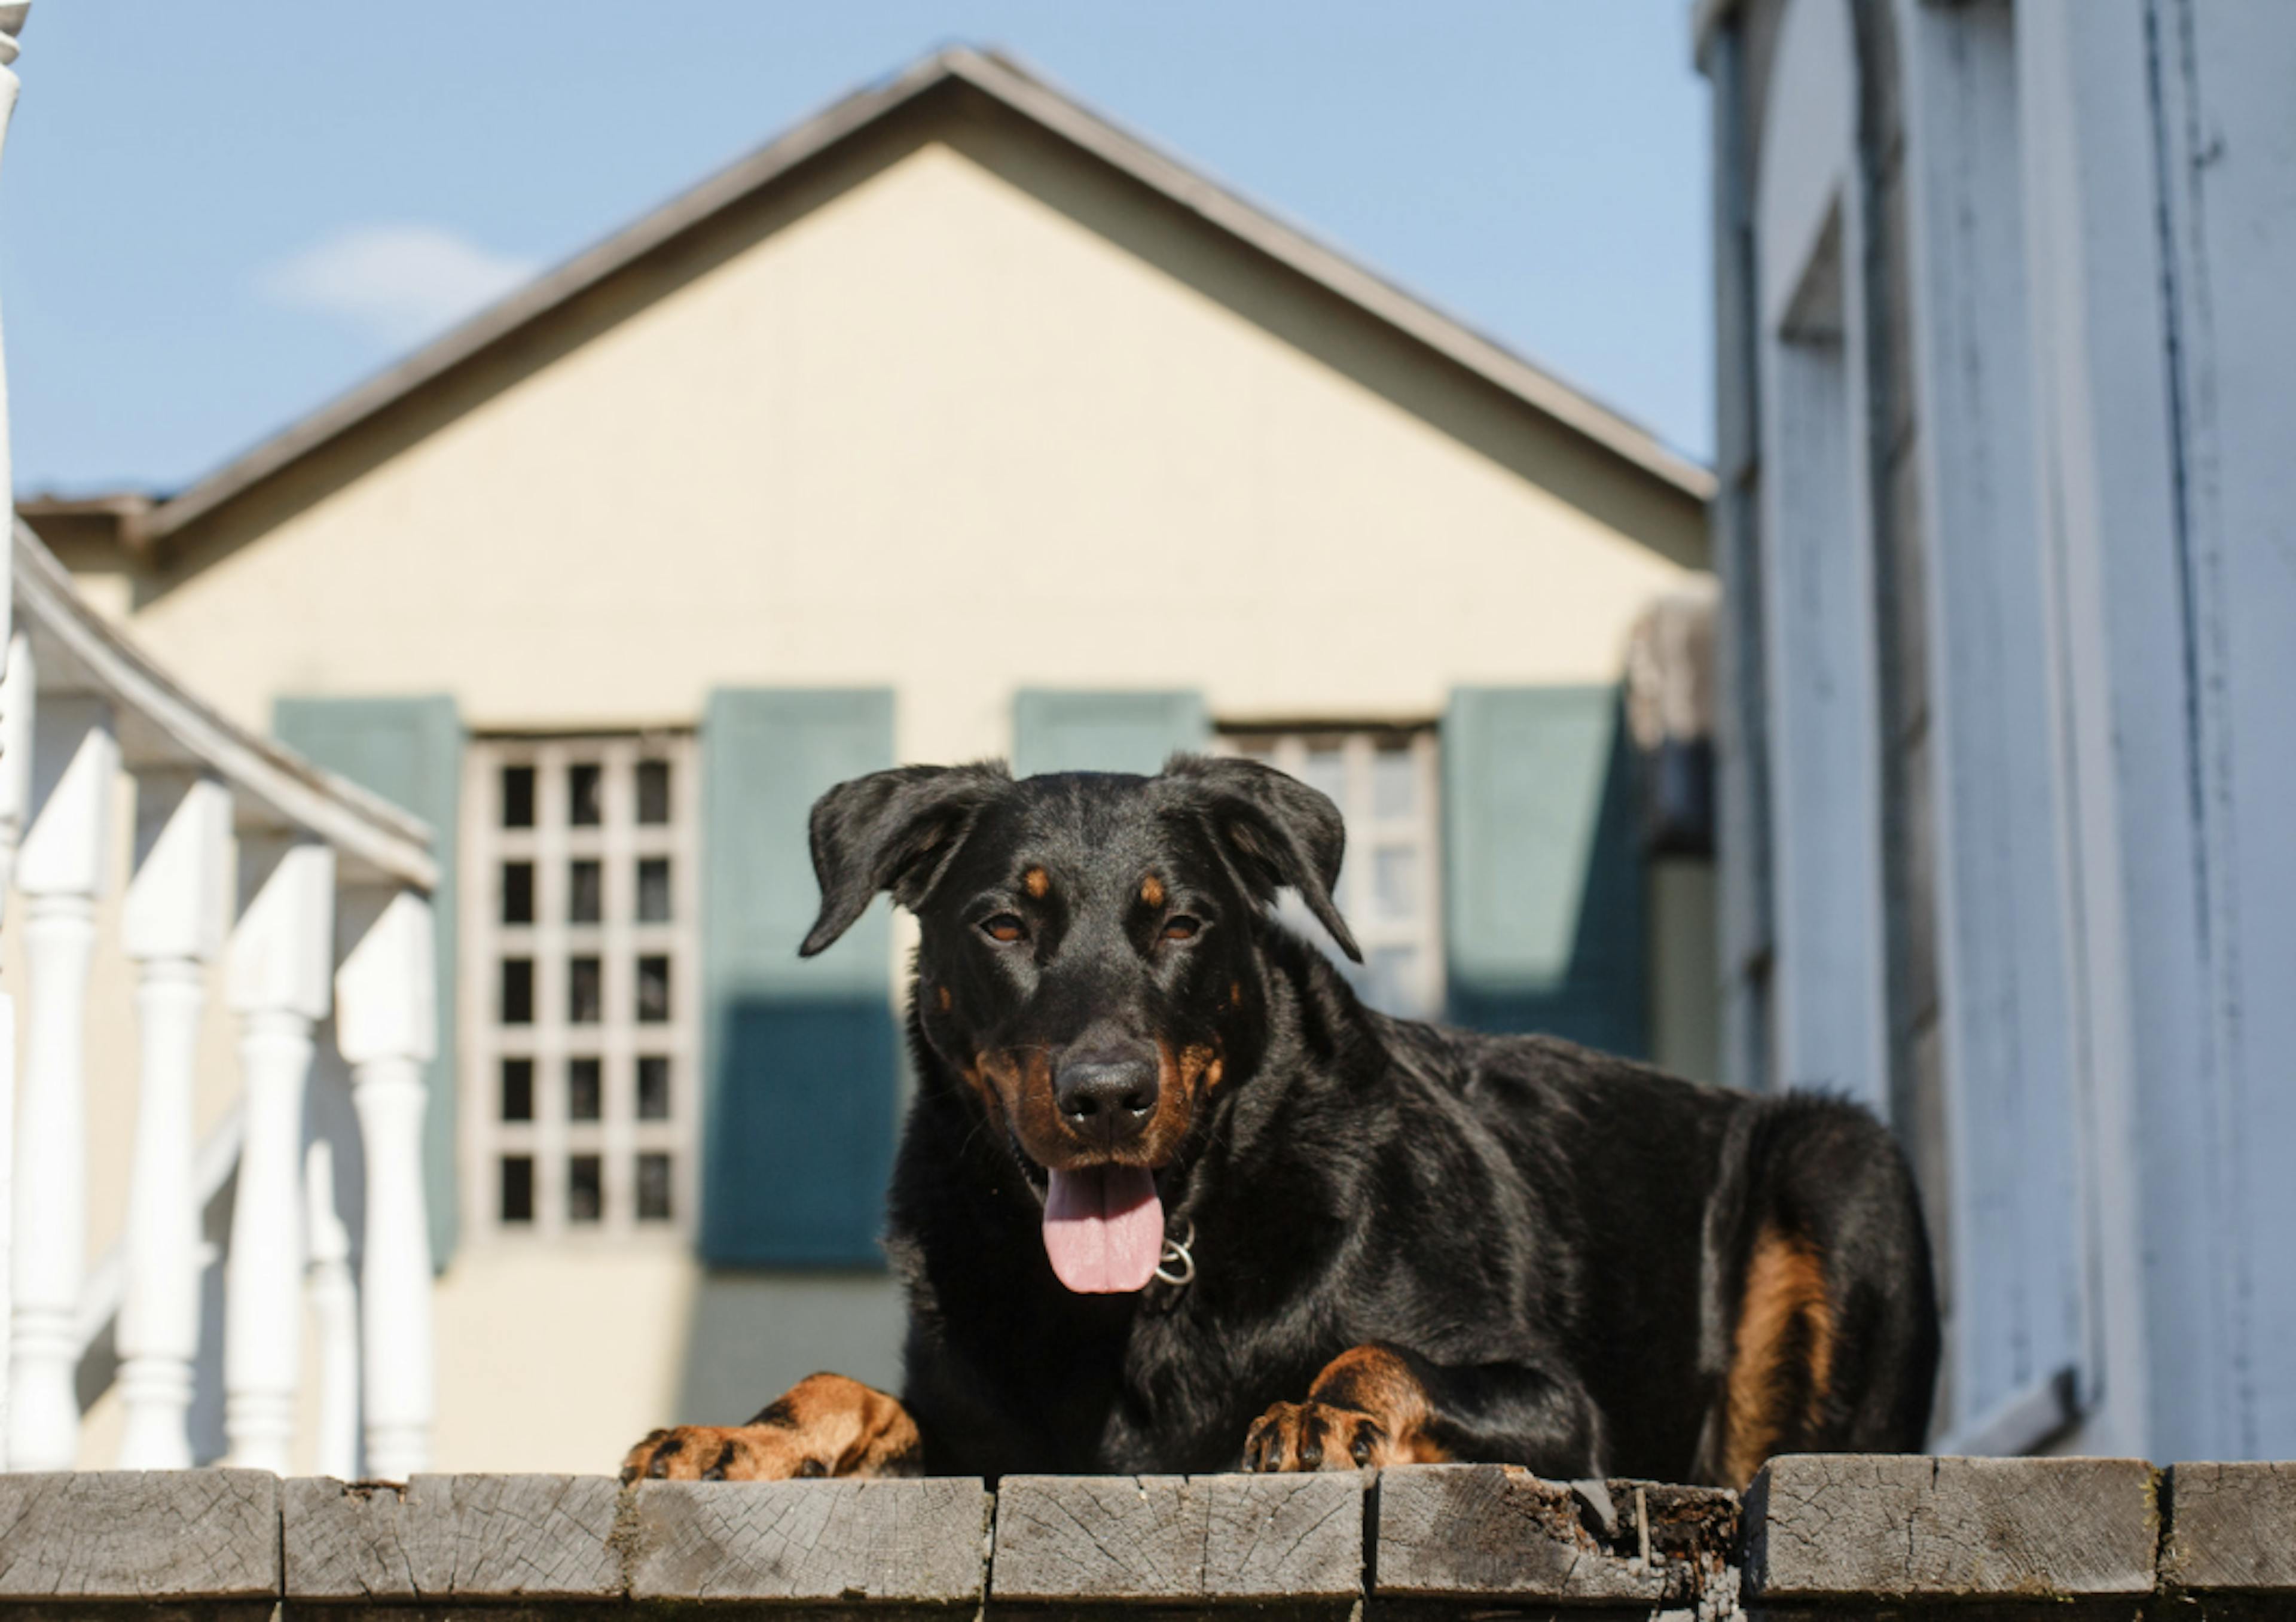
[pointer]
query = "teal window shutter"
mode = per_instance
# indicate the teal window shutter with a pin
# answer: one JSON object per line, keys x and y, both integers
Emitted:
{"x": 410, "y": 751}
{"x": 799, "y": 1060}
{"x": 1543, "y": 871}
{"x": 1103, "y": 732}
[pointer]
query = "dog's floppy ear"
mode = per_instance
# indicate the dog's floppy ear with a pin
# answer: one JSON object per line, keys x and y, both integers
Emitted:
{"x": 891, "y": 830}
{"x": 1280, "y": 831}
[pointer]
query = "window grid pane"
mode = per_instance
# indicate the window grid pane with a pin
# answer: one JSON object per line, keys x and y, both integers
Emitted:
{"x": 518, "y": 1189}
{"x": 586, "y": 1090}
{"x": 577, "y": 914}
{"x": 584, "y": 798}
{"x": 653, "y": 890}
{"x": 518, "y": 797}
{"x": 585, "y": 894}
{"x": 654, "y": 1088}
{"x": 586, "y": 1189}
{"x": 1384, "y": 782}
{"x": 516, "y": 1004}
{"x": 654, "y": 990}
{"x": 653, "y": 1188}
{"x": 517, "y": 892}
{"x": 585, "y": 990}
{"x": 653, "y": 793}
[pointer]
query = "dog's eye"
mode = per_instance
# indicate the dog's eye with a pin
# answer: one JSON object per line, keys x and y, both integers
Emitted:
{"x": 1180, "y": 926}
{"x": 1005, "y": 928}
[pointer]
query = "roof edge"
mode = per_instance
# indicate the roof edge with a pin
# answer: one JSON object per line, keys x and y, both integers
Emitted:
{"x": 1005, "y": 80}
{"x": 587, "y": 269}
{"x": 1001, "y": 75}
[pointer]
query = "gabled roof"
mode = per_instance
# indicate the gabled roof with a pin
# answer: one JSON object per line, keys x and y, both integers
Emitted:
{"x": 1021, "y": 92}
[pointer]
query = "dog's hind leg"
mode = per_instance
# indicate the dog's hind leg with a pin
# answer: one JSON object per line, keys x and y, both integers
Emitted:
{"x": 1834, "y": 1345}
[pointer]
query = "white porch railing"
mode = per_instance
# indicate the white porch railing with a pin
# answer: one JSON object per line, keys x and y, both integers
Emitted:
{"x": 329, "y": 913}
{"x": 325, "y": 910}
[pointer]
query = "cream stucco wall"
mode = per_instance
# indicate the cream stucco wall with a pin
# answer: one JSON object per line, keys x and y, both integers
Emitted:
{"x": 959, "y": 419}
{"x": 939, "y": 434}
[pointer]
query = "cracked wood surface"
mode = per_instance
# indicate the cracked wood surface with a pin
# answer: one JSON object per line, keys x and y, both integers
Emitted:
{"x": 1493, "y": 1531}
{"x": 526, "y": 1537}
{"x": 1846, "y": 1526}
{"x": 1148, "y": 1538}
{"x": 139, "y": 1535}
{"x": 910, "y": 1541}
{"x": 1831, "y": 1536}
{"x": 2232, "y": 1526}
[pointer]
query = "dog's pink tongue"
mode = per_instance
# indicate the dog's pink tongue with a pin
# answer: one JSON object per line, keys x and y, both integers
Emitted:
{"x": 1104, "y": 1229}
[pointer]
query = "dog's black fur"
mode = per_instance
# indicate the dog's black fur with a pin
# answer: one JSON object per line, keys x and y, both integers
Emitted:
{"x": 1553, "y": 1255}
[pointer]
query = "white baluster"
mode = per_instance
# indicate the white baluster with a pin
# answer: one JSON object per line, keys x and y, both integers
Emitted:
{"x": 279, "y": 956}
{"x": 385, "y": 1026}
{"x": 60, "y": 871}
{"x": 173, "y": 928}
{"x": 16, "y": 687}
{"x": 334, "y": 1313}
{"x": 11, "y": 23}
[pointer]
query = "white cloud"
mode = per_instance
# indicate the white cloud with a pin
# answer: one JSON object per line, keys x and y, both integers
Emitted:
{"x": 396, "y": 283}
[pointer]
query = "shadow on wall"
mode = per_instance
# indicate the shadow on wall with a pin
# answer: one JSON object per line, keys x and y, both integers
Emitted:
{"x": 753, "y": 1335}
{"x": 798, "y": 1127}
{"x": 1597, "y": 992}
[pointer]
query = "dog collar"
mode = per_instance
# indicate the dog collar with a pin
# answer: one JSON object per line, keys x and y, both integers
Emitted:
{"x": 1175, "y": 1266}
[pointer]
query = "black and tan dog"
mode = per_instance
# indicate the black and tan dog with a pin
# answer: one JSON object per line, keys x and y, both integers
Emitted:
{"x": 1170, "y": 1199}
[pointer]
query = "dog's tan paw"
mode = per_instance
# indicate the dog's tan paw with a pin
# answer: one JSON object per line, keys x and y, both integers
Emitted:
{"x": 713, "y": 1452}
{"x": 825, "y": 1425}
{"x": 1314, "y": 1435}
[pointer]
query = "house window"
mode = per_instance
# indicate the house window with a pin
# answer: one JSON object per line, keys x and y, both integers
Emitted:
{"x": 1384, "y": 781}
{"x": 579, "y": 938}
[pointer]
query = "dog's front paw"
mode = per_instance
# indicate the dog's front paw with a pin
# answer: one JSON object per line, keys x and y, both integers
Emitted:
{"x": 1314, "y": 1435}
{"x": 717, "y": 1453}
{"x": 825, "y": 1425}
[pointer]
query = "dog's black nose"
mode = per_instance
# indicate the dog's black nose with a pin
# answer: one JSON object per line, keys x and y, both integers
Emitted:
{"x": 1107, "y": 1094}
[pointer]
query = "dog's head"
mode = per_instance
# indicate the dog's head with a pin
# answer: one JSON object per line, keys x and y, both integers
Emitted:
{"x": 1089, "y": 959}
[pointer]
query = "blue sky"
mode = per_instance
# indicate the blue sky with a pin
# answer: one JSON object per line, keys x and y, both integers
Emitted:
{"x": 213, "y": 218}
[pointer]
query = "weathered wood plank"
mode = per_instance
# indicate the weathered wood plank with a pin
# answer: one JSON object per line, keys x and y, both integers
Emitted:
{"x": 496, "y": 1538}
{"x": 140, "y": 1535}
{"x": 1168, "y": 1540}
{"x": 910, "y": 1545}
{"x": 2231, "y": 1527}
{"x": 1493, "y": 1532}
{"x": 1840, "y": 1526}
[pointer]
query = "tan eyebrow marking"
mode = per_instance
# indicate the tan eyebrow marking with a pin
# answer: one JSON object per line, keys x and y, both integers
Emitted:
{"x": 946, "y": 999}
{"x": 1151, "y": 890}
{"x": 1035, "y": 881}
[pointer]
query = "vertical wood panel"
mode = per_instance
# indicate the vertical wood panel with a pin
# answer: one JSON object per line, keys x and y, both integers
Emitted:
{"x": 2011, "y": 1115}
{"x": 2225, "y": 78}
{"x": 2158, "y": 138}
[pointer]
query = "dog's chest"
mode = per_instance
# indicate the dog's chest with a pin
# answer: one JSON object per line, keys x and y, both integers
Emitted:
{"x": 1185, "y": 1390}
